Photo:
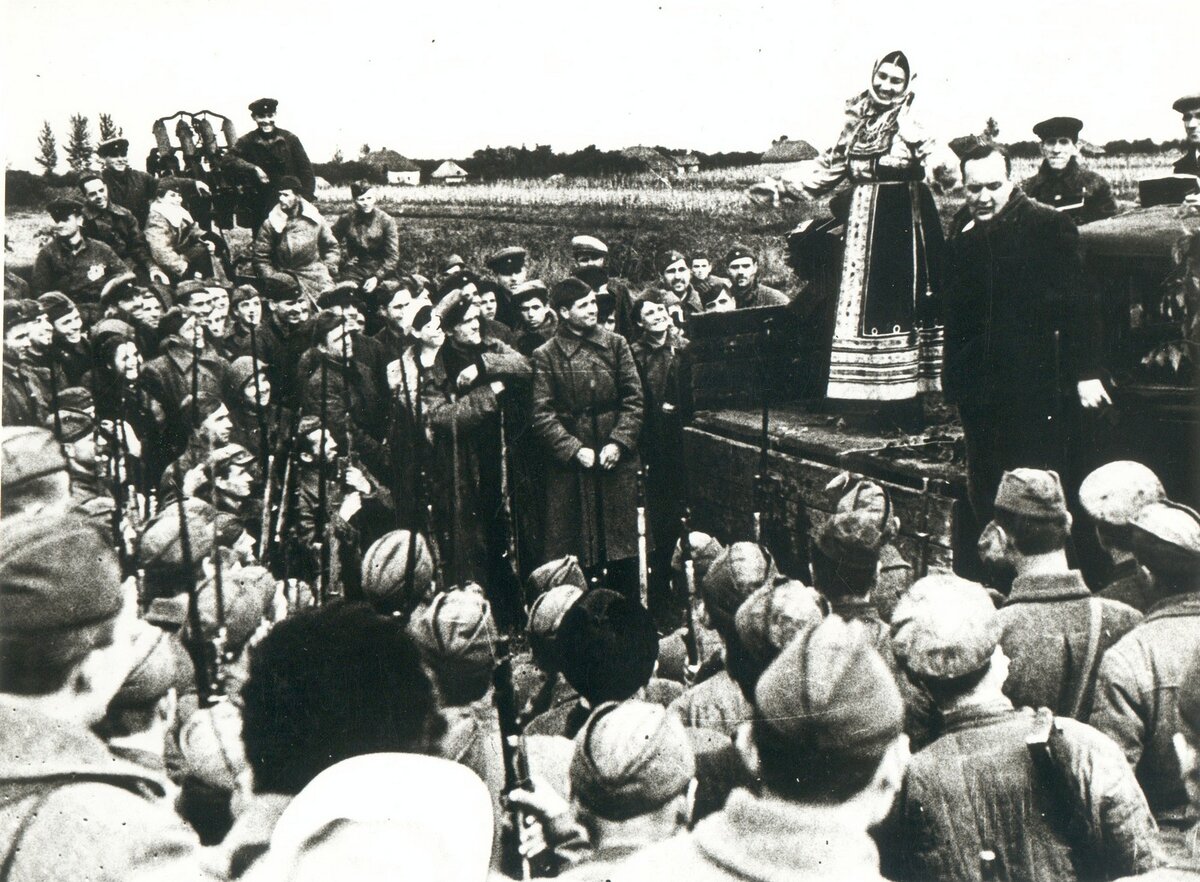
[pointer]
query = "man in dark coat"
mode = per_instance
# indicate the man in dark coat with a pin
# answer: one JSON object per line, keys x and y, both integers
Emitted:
{"x": 742, "y": 265}
{"x": 116, "y": 227}
{"x": 1189, "y": 108}
{"x": 1060, "y": 182}
{"x": 1054, "y": 631}
{"x": 1021, "y": 349}
{"x": 275, "y": 153}
{"x": 467, "y": 397}
{"x": 659, "y": 354}
{"x": 285, "y": 335}
{"x": 531, "y": 300}
{"x": 129, "y": 188}
{"x": 1137, "y": 693}
{"x": 587, "y": 412}
{"x": 369, "y": 239}
{"x": 26, "y": 396}
{"x": 1000, "y": 779}
{"x": 72, "y": 263}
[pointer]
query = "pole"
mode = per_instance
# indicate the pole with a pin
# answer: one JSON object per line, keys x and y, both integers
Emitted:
{"x": 601, "y": 536}
{"x": 507, "y": 494}
{"x": 690, "y": 641}
{"x": 643, "y": 549}
{"x": 456, "y": 502}
{"x": 322, "y": 488}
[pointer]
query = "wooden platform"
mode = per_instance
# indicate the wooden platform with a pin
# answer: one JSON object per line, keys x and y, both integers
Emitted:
{"x": 807, "y": 450}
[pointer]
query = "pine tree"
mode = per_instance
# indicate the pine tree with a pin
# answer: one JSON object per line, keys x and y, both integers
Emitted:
{"x": 338, "y": 158}
{"x": 364, "y": 151}
{"x": 47, "y": 156}
{"x": 991, "y": 129}
{"x": 79, "y": 144}
{"x": 108, "y": 128}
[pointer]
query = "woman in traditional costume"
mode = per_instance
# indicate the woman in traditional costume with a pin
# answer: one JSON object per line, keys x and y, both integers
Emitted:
{"x": 887, "y": 336}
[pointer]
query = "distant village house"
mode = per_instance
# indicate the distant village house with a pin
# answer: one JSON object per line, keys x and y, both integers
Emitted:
{"x": 449, "y": 172}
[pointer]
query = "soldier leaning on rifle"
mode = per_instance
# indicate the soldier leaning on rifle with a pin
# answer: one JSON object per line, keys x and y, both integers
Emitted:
{"x": 472, "y": 380}
{"x": 1049, "y": 796}
{"x": 1052, "y": 629}
{"x": 1137, "y": 691}
{"x": 69, "y": 809}
{"x": 1112, "y": 496}
{"x": 587, "y": 413}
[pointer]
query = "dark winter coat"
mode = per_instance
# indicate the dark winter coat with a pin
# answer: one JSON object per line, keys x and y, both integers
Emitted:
{"x": 278, "y": 154}
{"x": 78, "y": 273}
{"x": 976, "y": 788}
{"x": 168, "y": 380}
{"x": 370, "y": 244}
{"x": 1137, "y": 697}
{"x": 1081, "y": 194}
{"x": 26, "y": 396}
{"x": 131, "y": 189}
{"x": 117, "y": 228}
{"x": 1046, "y": 622}
{"x": 664, "y": 387}
{"x": 353, "y": 403}
{"x": 578, "y": 381}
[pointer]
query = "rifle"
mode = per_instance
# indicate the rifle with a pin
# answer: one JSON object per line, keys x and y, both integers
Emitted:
{"x": 54, "y": 396}
{"x": 322, "y": 490}
{"x": 456, "y": 508}
{"x": 601, "y": 537}
{"x": 264, "y": 527}
{"x": 222, "y": 634}
{"x": 264, "y": 443}
{"x": 516, "y": 763}
{"x": 765, "y": 438}
{"x": 423, "y": 496}
{"x": 643, "y": 550}
{"x": 690, "y": 641}
{"x": 511, "y": 551}
{"x": 204, "y": 683}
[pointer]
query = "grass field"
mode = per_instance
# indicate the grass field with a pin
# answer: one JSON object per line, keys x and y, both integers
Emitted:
{"x": 638, "y": 216}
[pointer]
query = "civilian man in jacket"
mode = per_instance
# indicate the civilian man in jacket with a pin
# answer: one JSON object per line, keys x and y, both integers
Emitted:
{"x": 1051, "y": 798}
{"x": 274, "y": 153}
{"x": 369, "y": 239}
{"x": 129, "y": 188}
{"x": 295, "y": 241}
{"x": 466, "y": 398}
{"x": 72, "y": 263}
{"x": 1060, "y": 182}
{"x": 1052, "y": 629}
{"x": 1137, "y": 693}
{"x": 1021, "y": 351}
{"x": 587, "y": 413}
{"x": 70, "y": 809}
{"x": 117, "y": 228}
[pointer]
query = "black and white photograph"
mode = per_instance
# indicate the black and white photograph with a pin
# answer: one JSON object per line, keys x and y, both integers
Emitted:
{"x": 633, "y": 441}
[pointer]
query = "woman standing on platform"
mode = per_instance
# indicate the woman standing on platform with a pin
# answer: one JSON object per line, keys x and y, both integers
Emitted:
{"x": 887, "y": 336}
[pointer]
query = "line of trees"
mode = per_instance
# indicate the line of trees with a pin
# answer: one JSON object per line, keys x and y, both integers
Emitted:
{"x": 79, "y": 146}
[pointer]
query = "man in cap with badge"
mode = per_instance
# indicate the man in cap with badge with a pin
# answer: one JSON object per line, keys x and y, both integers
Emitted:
{"x": 127, "y": 187}
{"x": 369, "y": 238}
{"x": 983, "y": 786}
{"x": 1112, "y": 496}
{"x": 72, "y": 263}
{"x": 1061, "y": 182}
{"x": 70, "y": 809}
{"x": 1189, "y": 108}
{"x": 676, "y": 277}
{"x": 742, "y": 265}
{"x": 467, "y": 398}
{"x": 274, "y": 153}
{"x": 1137, "y": 693}
{"x": 1052, "y": 629}
{"x": 587, "y": 413}
{"x": 511, "y": 266}
{"x": 827, "y": 752}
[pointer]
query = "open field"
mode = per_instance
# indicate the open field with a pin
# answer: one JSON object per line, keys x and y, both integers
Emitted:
{"x": 637, "y": 215}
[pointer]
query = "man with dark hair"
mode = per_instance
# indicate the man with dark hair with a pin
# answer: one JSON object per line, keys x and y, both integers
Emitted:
{"x": 587, "y": 413}
{"x": 70, "y": 809}
{"x": 827, "y": 769}
{"x": 1021, "y": 354}
{"x": 1061, "y": 182}
{"x": 369, "y": 239}
{"x": 599, "y": 627}
{"x": 1052, "y": 629}
{"x": 1137, "y": 692}
{"x": 72, "y": 263}
{"x": 274, "y": 154}
{"x": 676, "y": 277}
{"x": 26, "y": 393}
{"x": 325, "y": 685}
{"x": 179, "y": 246}
{"x": 1189, "y": 108}
{"x": 1048, "y": 797}
{"x": 116, "y": 227}
{"x": 286, "y": 333}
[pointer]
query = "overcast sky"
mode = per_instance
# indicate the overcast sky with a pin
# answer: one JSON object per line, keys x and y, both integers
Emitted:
{"x": 440, "y": 79}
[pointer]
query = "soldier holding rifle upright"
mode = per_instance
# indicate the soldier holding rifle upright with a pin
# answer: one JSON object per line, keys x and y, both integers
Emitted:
{"x": 587, "y": 411}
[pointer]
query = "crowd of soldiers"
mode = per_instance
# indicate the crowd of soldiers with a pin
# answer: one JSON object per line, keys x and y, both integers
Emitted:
{"x": 336, "y": 570}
